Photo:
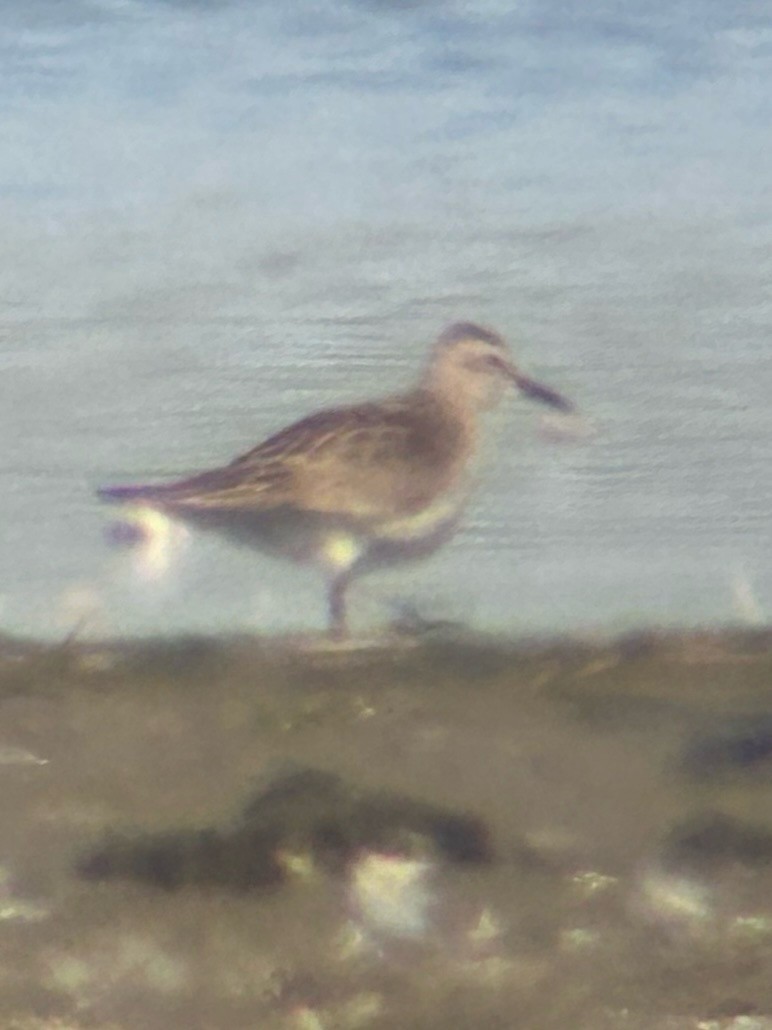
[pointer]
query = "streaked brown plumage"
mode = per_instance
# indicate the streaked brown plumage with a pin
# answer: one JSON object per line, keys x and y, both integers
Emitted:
{"x": 361, "y": 486}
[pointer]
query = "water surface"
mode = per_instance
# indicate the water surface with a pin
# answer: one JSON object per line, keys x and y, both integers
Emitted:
{"x": 216, "y": 218}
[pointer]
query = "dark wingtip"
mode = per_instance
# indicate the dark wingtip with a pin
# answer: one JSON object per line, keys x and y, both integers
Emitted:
{"x": 121, "y": 493}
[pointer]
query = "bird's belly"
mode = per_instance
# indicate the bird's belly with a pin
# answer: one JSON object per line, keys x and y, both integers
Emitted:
{"x": 332, "y": 543}
{"x": 414, "y": 536}
{"x": 285, "y": 532}
{"x": 338, "y": 548}
{"x": 421, "y": 524}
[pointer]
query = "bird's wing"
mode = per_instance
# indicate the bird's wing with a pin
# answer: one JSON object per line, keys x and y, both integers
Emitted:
{"x": 365, "y": 462}
{"x": 368, "y": 461}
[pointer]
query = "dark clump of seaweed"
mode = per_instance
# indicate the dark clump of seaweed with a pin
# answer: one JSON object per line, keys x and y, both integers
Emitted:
{"x": 712, "y": 839}
{"x": 740, "y": 746}
{"x": 307, "y": 811}
{"x": 238, "y": 861}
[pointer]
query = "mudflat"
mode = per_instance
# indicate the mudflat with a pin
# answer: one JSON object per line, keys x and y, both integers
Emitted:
{"x": 447, "y": 829}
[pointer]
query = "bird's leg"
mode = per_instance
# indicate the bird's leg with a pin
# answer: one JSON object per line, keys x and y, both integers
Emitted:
{"x": 336, "y": 599}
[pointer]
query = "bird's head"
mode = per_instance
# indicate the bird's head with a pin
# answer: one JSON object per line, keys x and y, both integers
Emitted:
{"x": 475, "y": 364}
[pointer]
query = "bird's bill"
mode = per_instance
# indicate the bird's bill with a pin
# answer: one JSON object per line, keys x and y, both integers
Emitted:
{"x": 531, "y": 387}
{"x": 545, "y": 394}
{"x": 538, "y": 391}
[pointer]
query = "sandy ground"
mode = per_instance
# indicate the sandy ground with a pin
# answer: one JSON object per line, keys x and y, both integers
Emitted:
{"x": 444, "y": 831}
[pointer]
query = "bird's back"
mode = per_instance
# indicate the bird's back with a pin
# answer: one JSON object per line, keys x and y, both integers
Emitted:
{"x": 368, "y": 463}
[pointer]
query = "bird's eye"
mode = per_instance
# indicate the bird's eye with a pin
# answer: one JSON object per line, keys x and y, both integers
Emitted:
{"x": 494, "y": 363}
{"x": 483, "y": 362}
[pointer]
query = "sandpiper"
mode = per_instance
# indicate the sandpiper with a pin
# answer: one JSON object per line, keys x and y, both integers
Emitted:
{"x": 353, "y": 488}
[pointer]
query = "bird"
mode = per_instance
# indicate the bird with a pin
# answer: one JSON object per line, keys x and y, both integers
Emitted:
{"x": 349, "y": 489}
